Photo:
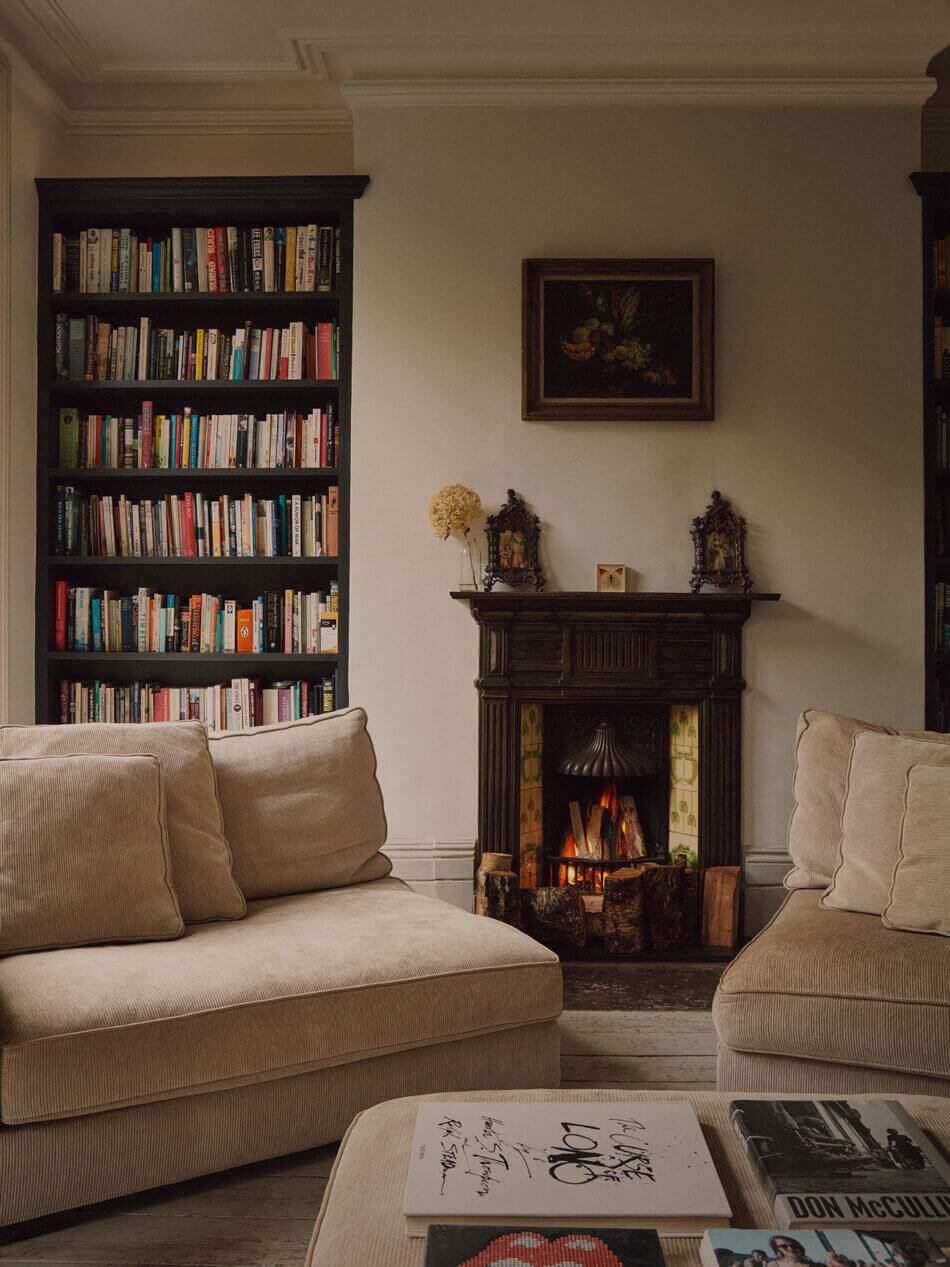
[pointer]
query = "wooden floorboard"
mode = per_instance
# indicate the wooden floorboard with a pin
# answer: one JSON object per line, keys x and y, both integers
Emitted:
{"x": 262, "y": 1215}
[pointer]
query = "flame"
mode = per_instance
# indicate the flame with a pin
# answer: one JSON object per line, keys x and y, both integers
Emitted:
{"x": 593, "y": 875}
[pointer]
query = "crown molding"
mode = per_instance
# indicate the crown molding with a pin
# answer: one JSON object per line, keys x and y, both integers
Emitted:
{"x": 249, "y": 121}
{"x": 59, "y": 35}
{"x": 911, "y": 92}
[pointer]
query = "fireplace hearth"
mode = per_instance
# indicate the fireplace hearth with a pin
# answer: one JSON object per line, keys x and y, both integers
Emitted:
{"x": 610, "y": 760}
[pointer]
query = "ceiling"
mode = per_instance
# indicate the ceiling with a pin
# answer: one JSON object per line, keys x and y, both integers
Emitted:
{"x": 123, "y": 55}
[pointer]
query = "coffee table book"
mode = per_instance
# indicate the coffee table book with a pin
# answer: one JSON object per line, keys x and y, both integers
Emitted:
{"x": 451, "y": 1245}
{"x": 733, "y": 1247}
{"x": 574, "y": 1165}
{"x": 860, "y": 1163}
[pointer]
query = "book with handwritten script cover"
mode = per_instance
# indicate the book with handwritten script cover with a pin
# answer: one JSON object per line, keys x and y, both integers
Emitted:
{"x": 620, "y": 1164}
{"x": 449, "y": 1245}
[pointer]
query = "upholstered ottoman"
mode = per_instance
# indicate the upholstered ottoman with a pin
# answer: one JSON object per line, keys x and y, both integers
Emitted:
{"x": 361, "y": 1220}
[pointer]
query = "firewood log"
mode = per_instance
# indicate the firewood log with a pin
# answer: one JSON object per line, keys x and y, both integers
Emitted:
{"x": 667, "y": 907}
{"x": 554, "y": 914}
{"x": 595, "y": 827}
{"x": 721, "y": 892}
{"x": 647, "y": 907}
{"x": 577, "y": 826}
{"x": 625, "y": 929}
{"x": 636, "y": 840}
{"x": 489, "y": 862}
{"x": 503, "y": 897}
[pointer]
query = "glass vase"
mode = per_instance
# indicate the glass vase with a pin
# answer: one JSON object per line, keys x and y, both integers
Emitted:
{"x": 470, "y": 562}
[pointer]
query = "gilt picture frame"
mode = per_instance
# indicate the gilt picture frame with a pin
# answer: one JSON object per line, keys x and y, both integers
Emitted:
{"x": 617, "y": 339}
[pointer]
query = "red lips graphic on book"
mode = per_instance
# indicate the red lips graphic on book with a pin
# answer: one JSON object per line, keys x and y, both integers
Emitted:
{"x": 533, "y": 1249}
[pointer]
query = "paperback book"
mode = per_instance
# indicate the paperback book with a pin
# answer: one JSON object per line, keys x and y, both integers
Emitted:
{"x": 830, "y": 1247}
{"x": 859, "y": 1163}
{"x": 449, "y": 1245}
{"x": 621, "y": 1165}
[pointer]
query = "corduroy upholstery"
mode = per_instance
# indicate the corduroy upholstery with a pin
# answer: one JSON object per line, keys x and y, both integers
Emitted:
{"x": 302, "y": 983}
{"x": 201, "y": 860}
{"x": 113, "y": 882}
{"x": 919, "y": 896}
{"x": 371, "y": 1167}
{"x": 839, "y": 988}
{"x": 302, "y": 807}
{"x": 50, "y": 1166}
{"x": 782, "y": 1075}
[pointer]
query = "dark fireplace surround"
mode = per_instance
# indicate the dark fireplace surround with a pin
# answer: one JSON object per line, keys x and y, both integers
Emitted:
{"x": 571, "y": 661}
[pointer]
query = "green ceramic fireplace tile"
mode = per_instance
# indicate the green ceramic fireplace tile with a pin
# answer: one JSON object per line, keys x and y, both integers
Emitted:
{"x": 684, "y": 775}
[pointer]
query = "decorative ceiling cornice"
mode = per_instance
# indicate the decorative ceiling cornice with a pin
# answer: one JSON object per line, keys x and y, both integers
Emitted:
{"x": 911, "y": 92}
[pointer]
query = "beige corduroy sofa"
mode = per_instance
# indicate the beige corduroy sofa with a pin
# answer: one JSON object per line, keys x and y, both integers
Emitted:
{"x": 264, "y": 1031}
{"x": 833, "y": 999}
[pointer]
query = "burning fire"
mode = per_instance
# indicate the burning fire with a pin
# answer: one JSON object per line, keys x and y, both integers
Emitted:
{"x": 612, "y": 833}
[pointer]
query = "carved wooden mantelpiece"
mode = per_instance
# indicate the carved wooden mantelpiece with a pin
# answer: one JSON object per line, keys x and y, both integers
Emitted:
{"x": 639, "y": 648}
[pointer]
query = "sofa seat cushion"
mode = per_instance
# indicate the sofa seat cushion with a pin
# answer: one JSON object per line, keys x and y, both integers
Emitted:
{"x": 304, "y": 982}
{"x": 838, "y": 986}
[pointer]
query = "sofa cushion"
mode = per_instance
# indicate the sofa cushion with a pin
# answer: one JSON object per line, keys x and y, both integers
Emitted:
{"x": 304, "y": 982}
{"x": 919, "y": 897}
{"x": 83, "y": 853}
{"x": 201, "y": 861}
{"x": 822, "y": 755}
{"x": 302, "y": 808}
{"x": 840, "y": 987}
{"x": 871, "y": 824}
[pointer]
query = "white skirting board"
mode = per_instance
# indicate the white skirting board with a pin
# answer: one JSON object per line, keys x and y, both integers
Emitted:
{"x": 444, "y": 868}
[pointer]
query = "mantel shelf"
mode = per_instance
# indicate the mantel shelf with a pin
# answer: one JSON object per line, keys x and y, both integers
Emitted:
{"x": 525, "y": 603}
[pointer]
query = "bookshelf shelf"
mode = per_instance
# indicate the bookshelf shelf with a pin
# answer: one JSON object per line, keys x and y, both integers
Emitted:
{"x": 934, "y": 191}
{"x": 257, "y": 391}
{"x": 190, "y": 474}
{"x": 280, "y": 561}
{"x": 195, "y": 302}
{"x": 238, "y": 659}
{"x": 152, "y": 209}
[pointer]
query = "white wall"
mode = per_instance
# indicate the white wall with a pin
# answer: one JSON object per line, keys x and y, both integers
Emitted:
{"x": 814, "y": 227}
{"x": 35, "y": 138}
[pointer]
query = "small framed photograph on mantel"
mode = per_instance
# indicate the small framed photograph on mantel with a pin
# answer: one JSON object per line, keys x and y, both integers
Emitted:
{"x": 617, "y": 339}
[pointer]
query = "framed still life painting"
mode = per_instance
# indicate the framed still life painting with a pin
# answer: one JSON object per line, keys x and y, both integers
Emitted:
{"x": 617, "y": 339}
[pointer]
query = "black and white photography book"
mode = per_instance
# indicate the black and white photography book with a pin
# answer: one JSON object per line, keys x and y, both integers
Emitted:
{"x": 829, "y": 1247}
{"x": 860, "y": 1162}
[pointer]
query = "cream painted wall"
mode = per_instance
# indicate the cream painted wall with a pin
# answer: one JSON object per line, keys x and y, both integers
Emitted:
{"x": 814, "y": 227}
{"x": 35, "y": 147}
{"x": 237, "y": 154}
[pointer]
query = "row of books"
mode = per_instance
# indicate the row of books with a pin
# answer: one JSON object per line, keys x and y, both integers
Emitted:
{"x": 191, "y": 525}
{"x": 941, "y": 618}
{"x": 90, "y": 349}
{"x": 941, "y": 350}
{"x": 236, "y": 705}
{"x": 941, "y": 249}
{"x": 193, "y": 441}
{"x": 288, "y": 621}
{"x": 942, "y": 420}
{"x": 852, "y": 1168}
{"x": 187, "y": 259}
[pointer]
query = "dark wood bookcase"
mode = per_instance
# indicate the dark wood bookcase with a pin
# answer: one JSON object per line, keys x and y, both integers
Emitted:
{"x": 934, "y": 191}
{"x": 153, "y": 206}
